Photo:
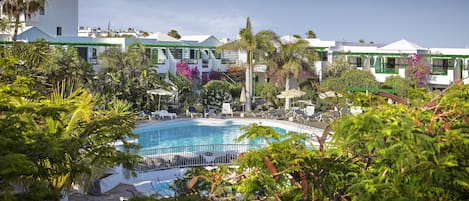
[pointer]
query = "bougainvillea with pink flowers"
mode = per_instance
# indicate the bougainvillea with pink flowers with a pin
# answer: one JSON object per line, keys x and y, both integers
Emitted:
{"x": 182, "y": 69}
{"x": 417, "y": 72}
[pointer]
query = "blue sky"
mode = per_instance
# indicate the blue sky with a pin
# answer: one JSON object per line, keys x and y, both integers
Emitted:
{"x": 429, "y": 23}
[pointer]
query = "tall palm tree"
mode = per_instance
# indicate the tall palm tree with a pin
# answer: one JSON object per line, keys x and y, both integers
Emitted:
{"x": 291, "y": 58}
{"x": 252, "y": 44}
{"x": 15, "y": 8}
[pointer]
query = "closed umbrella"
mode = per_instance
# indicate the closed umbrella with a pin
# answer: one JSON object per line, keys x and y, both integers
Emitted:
{"x": 242, "y": 97}
{"x": 160, "y": 92}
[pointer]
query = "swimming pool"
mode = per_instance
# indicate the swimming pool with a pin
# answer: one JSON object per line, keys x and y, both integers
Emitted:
{"x": 206, "y": 131}
{"x": 191, "y": 134}
{"x": 201, "y": 142}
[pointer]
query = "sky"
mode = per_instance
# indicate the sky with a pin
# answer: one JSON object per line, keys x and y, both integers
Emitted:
{"x": 428, "y": 23}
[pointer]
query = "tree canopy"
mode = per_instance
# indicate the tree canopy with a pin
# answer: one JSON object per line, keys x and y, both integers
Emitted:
{"x": 14, "y": 9}
{"x": 412, "y": 151}
{"x": 174, "y": 33}
{"x": 53, "y": 132}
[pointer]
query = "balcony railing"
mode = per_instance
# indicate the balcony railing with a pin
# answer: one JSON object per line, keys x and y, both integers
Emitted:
{"x": 190, "y": 156}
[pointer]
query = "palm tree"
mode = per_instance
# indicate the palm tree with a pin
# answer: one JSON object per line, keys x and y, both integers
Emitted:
{"x": 291, "y": 58}
{"x": 128, "y": 75}
{"x": 252, "y": 45}
{"x": 15, "y": 8}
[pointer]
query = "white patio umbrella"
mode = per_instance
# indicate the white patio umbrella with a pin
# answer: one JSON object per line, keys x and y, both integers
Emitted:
{"x": 292, "y": 93}
{"x": 159, "y": 92}
{"x": 329, "y": 94}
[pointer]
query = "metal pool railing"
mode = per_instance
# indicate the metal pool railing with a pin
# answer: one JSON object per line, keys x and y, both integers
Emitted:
{"x": 190, "y": 156}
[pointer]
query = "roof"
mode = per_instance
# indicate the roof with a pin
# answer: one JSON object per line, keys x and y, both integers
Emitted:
{"x": 402, "y": 45}
{"x": 31, "y": 33}
{"x": 198, "y": 38}
{"x": 162, "y": 37}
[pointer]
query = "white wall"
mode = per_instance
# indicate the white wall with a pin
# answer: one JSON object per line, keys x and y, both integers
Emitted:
{"x": 57, "y": 13}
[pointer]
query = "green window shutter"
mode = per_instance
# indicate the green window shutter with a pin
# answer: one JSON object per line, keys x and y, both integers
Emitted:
{"x": 155, "y": 55}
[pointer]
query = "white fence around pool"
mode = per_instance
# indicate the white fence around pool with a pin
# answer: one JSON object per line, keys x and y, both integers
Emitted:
{"x": 190, "y": 156}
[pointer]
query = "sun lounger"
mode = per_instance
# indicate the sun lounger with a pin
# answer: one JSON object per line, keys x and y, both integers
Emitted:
{"x": 191, "y": 111}
{"x": 163, "y": 114}
{"x": 226, "y": 109}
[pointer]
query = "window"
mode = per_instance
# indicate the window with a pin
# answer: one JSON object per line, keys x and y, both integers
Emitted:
{"x": 440, "y": 66}
{"x": 322, "y": 55}
{"x": 94, "y": 56}
{"x": 59, "y": 31}
{"x": 192, "y": 54}
{"x": 42, "y": 11}
{"x": 83, "y": 53}
{"x": 154, "y": 52}
{"x": 217, "y": 54}
{"x": 389, "y": 66}
{"x": 355, "y": 61}
{"x": 177, "y": 53}
{"x": 390, "y": 62}
{"x": 147, "y": 54}
{"x": 402, "y": 63}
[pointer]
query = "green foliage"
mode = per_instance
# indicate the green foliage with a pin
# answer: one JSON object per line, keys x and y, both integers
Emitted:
{"x": 310, "y": 34}
{"x": 215, "y": 93}
{"x": 184, "y": 86}
{"x": 390, "y": 152}
{"x": 128, "y": 76}
{"x": 47, "y": 66}
{"x": 351, "y": 79}
{"x": 15, "y": 9}
{"x": 401, "y": 85}
{"x": 291, "y": 58}
{"x": 339, "y": 66}
{"x": 52, "y": 143}
{"x": 408, "y": 151}
{"x": 65, "y": 64}
{"x": 142, "y": 198}
{"x": 174, "y": 33}
{"x": 267, "y": 91}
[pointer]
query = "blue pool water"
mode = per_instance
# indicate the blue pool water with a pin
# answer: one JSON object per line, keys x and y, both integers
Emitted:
{"x": 192, "y": 134}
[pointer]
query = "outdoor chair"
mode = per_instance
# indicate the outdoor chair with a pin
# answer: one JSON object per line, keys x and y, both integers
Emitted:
{"x": 226, "y": 109}
{"x": 210, "y": 112}
{"x": 144, "y": 116}
{"x": 309, "y": 110}
{"x": 278, "y": 114}
{"x": 258, "y": 112}
{"x": 164, "y": 114}
{"x": 193, "y": 112}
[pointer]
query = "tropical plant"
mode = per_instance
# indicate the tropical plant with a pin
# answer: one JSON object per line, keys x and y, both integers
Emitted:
{"x": 215, "y": 93}
{"x": 339, "y": 66}
{"x": 128, "y": 76}
{"x": 413, "y": 152}
{"x": 49, "y": 144}
{"x": 351, "y": 79}
{"x": 14, "y": 9}
{"x": 399, "y": 84}
{"x": 253, "y": 45}
{"x": 268, "y": 92}
{"x": 236, "y": 73}
{"x": 182, "y": 69}
{"x": 390, "y": 152}
{"x": 174, "y": 33}
{"x": 65, "y": 64}
{"x": 184, "y": 86}
{"x": 292, "y": 58}
{"x": 310, "y": 34}
{"x": 418, "y": 72}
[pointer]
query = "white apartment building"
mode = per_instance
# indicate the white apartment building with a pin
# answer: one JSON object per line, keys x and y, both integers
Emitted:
{"x": 58, "y": 24}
